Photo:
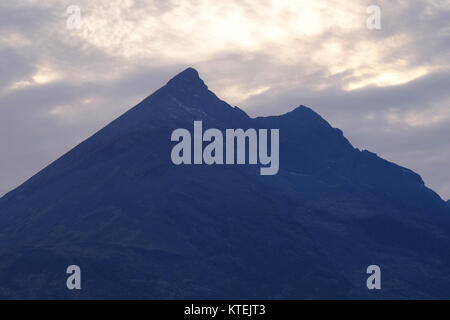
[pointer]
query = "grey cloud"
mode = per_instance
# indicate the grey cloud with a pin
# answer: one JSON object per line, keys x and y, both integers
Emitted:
{"x": 14, "y": 66}
{"x": 433, "y": 87}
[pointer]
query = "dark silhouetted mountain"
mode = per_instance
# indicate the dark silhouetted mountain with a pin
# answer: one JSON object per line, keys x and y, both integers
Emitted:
{"x": 142, "y": 227}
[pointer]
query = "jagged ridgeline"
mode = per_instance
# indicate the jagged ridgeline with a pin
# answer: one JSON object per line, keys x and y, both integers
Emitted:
{"x": 140, "y": 226}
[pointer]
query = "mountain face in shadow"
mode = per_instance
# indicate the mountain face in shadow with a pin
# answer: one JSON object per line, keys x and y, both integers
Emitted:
{"x": 141, "y": 227}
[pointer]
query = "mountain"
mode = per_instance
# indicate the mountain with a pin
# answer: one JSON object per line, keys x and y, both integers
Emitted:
{"x": 140, "y": 226}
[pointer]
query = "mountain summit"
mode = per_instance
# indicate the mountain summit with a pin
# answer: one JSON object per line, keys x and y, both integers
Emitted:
{"x": 141, "y": 227}
{"x": 188, "y": 76}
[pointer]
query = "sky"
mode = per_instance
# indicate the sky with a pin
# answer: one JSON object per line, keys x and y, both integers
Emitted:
{"x": 387, "y": 88}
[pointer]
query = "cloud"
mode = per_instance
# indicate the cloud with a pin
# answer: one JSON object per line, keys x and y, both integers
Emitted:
{"x": 385, "y": 88}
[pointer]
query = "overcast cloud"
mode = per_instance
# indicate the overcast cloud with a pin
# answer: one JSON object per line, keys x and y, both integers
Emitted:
{"x": 387, "y": 89}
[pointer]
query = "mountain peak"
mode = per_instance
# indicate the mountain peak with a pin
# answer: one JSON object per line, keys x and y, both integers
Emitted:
{"x": 189, "y": 72}
{"x": 187, "y": 92}
{"x": 188, "y": 77}
{"x": 304, "y": 113}
{"x": 305, "y": 109}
